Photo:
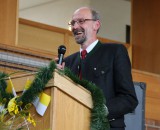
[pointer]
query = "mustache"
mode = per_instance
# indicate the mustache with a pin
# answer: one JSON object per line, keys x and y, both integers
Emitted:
{"x": 76, "y": 31}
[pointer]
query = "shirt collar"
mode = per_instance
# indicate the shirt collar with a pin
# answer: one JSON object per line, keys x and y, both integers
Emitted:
{"x": 91, "y": 46}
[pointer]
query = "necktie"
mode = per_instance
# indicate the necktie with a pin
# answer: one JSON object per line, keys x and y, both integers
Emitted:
{"x": 83, "y": 55}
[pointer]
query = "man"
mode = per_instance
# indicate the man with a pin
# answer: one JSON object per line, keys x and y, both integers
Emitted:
{"x": 106, "y": 65}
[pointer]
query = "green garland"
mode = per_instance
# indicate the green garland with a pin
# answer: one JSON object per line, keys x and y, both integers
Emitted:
{"x": 4, "y": 97}
{"x": 99, "y": 114}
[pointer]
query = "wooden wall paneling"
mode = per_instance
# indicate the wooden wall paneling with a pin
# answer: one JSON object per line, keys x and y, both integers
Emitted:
{"x": 38, "y": 38}
{"x": 152, "y": 92}
{"x": 146, "y": 35}
{"x": 58, "y": 36}
{"x": 8, "y": 21}
{"x": 73, "y": 46}
{"x": 152, "y": 108}
{"x": 66, "y": 43}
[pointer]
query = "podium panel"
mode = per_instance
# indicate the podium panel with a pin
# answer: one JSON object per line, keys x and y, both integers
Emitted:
{"x": 68, "y": 114}
{"x": 69, "y": 108}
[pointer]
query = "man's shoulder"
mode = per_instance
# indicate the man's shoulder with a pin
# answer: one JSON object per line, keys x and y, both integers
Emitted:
{"x": 111, "y": 46}
{"x": 116, "y": 45}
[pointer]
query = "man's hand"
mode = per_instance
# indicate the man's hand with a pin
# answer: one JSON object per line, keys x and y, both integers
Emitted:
{"x": 61, "y": 67}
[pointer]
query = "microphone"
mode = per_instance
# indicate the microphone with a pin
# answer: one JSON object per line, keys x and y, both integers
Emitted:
{"x": 61, "y": 52}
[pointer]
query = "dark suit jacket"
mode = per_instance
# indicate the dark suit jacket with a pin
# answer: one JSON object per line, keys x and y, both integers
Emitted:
{"x": 108, "y": 66}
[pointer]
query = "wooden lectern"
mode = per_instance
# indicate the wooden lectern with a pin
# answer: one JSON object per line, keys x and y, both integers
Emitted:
{"x": 69, "y": 108}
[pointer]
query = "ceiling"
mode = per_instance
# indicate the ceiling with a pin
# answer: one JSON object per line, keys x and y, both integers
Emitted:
{"x": 24, "y": 4}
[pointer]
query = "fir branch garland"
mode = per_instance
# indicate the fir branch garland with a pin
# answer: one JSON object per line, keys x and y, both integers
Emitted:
{"x": 99, "y": 114}
{"x": 41, "y": 79}
{"x": 3, "y": 85}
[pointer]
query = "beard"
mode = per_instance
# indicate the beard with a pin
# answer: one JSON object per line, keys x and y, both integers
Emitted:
{"x": 80, "y": 40}
{"x": 79, "y": 35}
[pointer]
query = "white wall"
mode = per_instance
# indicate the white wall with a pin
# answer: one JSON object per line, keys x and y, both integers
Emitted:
{"x": 56, "y": 13}
{"x": 115, "y": 14}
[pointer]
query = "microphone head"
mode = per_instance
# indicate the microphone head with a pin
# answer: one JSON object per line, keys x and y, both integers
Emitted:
{"x": 61, "y": 49}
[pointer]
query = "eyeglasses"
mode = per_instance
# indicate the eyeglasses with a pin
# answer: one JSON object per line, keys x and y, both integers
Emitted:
{"x": 79, "y": 21}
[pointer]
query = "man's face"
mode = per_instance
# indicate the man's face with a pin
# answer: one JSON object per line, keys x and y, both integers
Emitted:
{"x": 82, "y": 26}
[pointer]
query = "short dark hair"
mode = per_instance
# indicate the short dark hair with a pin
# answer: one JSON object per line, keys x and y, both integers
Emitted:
{"x": 95, "y": 16}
